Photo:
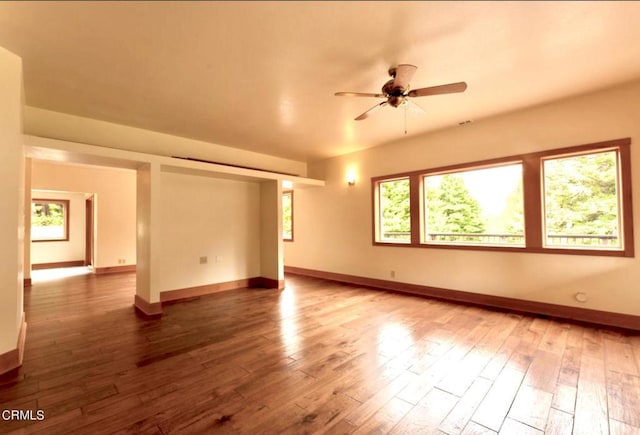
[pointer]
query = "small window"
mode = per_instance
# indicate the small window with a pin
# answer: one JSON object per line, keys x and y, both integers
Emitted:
{"x": 49, "y": 220}
{"x": 475, "y": 207}
{"x": 393, "y": 203}
{"x": 287, "y": 215}
{"x": 582, "y": 201}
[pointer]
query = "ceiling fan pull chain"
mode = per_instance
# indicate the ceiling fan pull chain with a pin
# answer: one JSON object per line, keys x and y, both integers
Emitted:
{"x": 405, "y": 118}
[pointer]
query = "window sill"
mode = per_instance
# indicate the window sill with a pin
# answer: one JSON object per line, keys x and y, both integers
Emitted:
{"x": 563, "y": 251}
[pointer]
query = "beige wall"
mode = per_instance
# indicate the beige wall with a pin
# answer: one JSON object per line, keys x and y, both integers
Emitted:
{"x": 333, "y": 225}
{"x": 68, "y": 250}
{"x": 115, "y": 202}
{"x": 207, "y": 217}
{"x": 12, "y": 199}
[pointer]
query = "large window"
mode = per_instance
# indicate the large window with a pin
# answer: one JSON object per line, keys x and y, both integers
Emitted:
{"x": 287, "y": 215}
{"x": 572, "y": 200}
{"x": 478, "y": 206}
{"x": 582, "y": 201}
{"x": 49, "y": 220}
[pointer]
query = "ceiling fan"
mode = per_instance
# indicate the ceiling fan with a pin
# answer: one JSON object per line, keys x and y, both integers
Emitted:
{"x": 397, "y": 90}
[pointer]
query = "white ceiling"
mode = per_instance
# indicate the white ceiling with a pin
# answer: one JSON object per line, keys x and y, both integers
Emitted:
{"x": 261, "y": 75}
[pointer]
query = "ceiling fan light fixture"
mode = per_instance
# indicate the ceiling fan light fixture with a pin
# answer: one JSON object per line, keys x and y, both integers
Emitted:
{"x": 396, "y": 100}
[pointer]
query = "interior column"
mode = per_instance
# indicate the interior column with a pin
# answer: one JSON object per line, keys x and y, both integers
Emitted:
{"x": 12, "y": 322}
{"x": 147, "y": 298}
{"x": 271, "y": 249}
{"x": 27, "y": 223}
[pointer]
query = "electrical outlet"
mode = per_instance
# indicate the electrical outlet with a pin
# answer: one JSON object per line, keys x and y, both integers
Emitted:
{"x": 204, "y": 260}
{"x": 392, "y": 274}
{"x": 218, "y": 258}
{"x": 581, "y": 297}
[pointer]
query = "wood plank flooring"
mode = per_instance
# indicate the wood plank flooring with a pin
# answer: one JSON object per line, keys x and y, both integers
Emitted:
{"x": 318, "y": 357}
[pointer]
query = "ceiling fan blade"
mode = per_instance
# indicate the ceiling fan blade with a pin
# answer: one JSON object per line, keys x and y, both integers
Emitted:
{"x": 451, "y": 88}
{"x": 365, "y": 115}
{"x": 414, "y": 108}
{"x": 358, "y": 94}
{"x": 404, "y": 74}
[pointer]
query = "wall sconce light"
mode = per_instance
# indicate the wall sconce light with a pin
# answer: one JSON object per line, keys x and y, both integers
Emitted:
{"x": 351, "y": 177}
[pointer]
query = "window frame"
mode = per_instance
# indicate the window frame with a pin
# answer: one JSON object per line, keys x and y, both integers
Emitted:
{"x": 288, "y": 192}
{"x": 618, "y": 192}
{"x": 533, "y": 199}
{"x": 66, "y": 212}
{"x": 377, "y": 219}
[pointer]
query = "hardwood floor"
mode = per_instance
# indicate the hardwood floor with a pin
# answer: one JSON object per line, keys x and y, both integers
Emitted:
{"x": 318, "y": 357}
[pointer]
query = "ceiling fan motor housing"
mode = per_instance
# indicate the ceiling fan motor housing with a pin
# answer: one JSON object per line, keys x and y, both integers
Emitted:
{"x": 395, "y": 94}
